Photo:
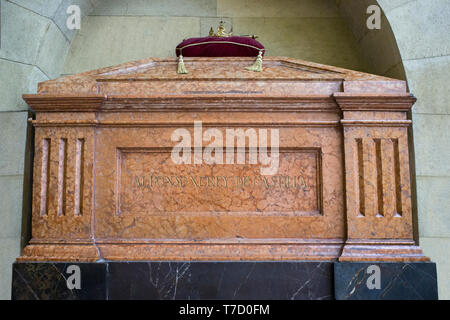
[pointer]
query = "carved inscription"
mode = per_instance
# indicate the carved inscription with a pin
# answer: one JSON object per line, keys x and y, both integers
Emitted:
{"x": 149, "y": 183}
{"x": 155, "y": 181}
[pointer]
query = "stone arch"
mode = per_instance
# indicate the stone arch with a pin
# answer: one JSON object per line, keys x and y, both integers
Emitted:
{"x": 378, "y": 47}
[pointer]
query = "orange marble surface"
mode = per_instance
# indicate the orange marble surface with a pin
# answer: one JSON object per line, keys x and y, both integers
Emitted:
{"x": 101, "y": 136}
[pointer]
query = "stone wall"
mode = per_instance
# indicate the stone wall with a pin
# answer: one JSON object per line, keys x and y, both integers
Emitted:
{"x": 422, "y": 32}
{"x": 421, "y": 47}
{"x": 33, "y": 47}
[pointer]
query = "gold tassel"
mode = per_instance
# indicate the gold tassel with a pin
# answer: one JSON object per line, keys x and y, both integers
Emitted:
{"x": 181, "y": 67}
{"x": 257, "y": 65}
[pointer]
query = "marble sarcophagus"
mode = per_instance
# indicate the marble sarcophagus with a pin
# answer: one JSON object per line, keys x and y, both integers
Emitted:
{"x": 298, "y": 162}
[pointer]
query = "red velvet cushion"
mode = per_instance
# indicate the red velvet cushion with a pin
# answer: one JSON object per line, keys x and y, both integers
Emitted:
{"x": 220, "y": 47}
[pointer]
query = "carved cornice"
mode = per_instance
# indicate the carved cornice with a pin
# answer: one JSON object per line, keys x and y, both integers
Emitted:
{"x": 238, "y": 102}
{"x": 186, "y": 103}
{"x": 61, "y": 103}
{"x": 374, "y": 102}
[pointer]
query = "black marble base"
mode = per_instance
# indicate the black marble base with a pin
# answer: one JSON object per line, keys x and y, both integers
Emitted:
{"x": 48, "y": 281}
{"x": 396, "y": 281}
{"x": 222, "y": 280}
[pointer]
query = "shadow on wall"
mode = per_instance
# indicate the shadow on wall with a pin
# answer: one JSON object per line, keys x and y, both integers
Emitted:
{"x": 327, "y": 32}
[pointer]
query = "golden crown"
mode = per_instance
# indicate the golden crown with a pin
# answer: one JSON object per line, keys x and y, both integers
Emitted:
{"x": 221, "y": 31}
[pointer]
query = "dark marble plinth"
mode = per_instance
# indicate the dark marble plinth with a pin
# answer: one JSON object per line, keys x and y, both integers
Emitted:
{"x": 48, "y": 281}
{"x": 176, "y": 280}
{"x": 223, "y": 280}
{"x": 396, "y": 281}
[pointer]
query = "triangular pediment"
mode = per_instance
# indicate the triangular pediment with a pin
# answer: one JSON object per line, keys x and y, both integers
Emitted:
{"x": 220, "y": 69}
{"x": 202, "y": 70}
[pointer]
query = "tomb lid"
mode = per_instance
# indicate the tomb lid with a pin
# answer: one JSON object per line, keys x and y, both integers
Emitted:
{"x": 226, "y": 76}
